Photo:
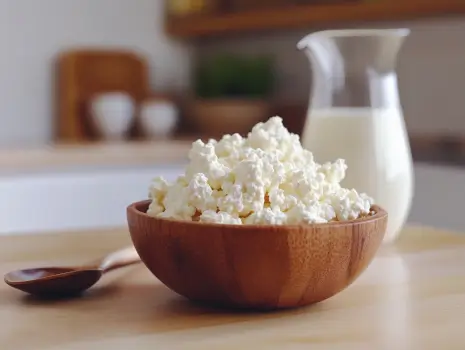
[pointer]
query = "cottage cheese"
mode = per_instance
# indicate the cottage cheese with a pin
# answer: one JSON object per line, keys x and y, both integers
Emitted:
{"x": 265, "y": 178}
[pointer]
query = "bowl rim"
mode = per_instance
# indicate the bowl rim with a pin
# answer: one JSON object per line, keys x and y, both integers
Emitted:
{"x": 135, "y": 209}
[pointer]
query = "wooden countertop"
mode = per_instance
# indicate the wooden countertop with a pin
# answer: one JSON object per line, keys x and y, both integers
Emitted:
{"x": 411, "y": 297}
{"x": 96, "y": 154}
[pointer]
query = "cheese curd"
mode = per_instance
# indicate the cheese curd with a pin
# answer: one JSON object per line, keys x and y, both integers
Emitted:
{"x": 267, "y": 178}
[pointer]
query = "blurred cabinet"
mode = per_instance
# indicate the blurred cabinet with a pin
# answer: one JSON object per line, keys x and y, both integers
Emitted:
{"x": 225, "y": 17}
{"x": 244, "y": 5}
{"x": 179, "y": 8}
{"x": 241, "y": 5}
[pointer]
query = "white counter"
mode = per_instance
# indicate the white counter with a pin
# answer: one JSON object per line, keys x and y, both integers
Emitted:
{"x": 74, "y": 200}
{"x": 439, "y": 197}
{"x": 97, "y": 198}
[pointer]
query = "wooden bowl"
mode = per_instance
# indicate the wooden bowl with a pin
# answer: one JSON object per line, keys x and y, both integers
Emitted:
{"x": 255, "y": 267}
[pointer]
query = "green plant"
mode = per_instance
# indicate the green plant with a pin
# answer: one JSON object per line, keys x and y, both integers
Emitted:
{"x": 229, "y": 76}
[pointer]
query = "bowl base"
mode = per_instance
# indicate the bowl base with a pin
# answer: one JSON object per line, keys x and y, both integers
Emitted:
{"x": 238, "y": 308}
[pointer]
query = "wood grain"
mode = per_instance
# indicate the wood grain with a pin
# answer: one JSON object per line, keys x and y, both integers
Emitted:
{"x": 305, "y": 16}
{"x": 412, "y": 296}
{"x": 255, "y": 267}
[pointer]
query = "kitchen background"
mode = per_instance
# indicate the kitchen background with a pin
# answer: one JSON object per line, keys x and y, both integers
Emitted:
{"x": 64, "y": 162}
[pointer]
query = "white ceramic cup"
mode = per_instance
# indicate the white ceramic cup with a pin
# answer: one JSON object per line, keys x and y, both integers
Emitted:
{"x": 158, "y": 118}
{"x": 112, "y": 114}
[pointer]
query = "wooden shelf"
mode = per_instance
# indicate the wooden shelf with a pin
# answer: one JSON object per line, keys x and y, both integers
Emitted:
{"x": 301, "y": 16}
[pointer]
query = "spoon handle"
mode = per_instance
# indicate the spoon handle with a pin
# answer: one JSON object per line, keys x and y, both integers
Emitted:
{"x": 120, "y": 258}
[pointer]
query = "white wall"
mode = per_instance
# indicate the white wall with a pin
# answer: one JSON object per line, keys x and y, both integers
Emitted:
{"x": 32, "y": 32}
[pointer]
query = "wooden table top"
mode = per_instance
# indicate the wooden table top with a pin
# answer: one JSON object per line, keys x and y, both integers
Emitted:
{"x": 411, "y": 297}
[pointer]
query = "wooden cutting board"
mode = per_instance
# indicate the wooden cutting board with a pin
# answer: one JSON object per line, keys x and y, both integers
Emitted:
{"x": 81, "y": 74}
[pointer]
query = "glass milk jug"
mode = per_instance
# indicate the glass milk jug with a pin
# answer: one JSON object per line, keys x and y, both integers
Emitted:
{"x": 355, "y": 114}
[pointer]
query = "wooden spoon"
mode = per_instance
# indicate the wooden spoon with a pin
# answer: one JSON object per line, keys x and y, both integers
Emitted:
{"x": 67, "y": 281}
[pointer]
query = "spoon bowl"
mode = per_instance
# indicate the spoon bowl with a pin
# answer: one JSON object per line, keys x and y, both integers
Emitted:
{"x": 53, "y": 281}
{"x": 68, "y": 281}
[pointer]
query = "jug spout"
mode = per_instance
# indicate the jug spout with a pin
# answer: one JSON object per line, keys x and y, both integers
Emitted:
{"x": 375, "y": 48}
{"x": 378, "y": 34}
{"x": 351, "y": 66}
